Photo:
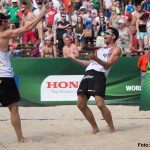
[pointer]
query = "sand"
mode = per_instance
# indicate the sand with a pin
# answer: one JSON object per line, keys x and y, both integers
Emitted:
{"x": 65, "y": 128}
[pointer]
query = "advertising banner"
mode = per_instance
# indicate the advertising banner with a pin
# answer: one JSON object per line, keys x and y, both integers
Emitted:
{"x": 54, "y": 81}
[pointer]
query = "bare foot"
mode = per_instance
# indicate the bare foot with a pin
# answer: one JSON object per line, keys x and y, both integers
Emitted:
{"x": 24, "y": 140}
{"x": 112, "y": 130}
{"x": 95, "y": 131}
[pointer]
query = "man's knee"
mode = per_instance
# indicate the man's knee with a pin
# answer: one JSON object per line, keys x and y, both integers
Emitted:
{"x": 100, "y": 102}
{"x": 82, "y": 102}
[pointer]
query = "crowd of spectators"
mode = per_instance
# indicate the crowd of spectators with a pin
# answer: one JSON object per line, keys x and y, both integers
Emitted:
{"x": 71, "y": 25}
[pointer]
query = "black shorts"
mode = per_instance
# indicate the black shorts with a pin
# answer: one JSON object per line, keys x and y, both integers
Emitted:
{"x": 93, "y": 84}
{"x": 9, "y": 93}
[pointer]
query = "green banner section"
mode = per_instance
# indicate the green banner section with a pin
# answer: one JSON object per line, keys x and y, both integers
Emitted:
{"x": 50, "y": 77}
{"x": 145, "y": 96}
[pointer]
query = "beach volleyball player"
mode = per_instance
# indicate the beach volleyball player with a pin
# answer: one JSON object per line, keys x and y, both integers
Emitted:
{"x": 9, "y": 94}
{"x": 94, "y": 81}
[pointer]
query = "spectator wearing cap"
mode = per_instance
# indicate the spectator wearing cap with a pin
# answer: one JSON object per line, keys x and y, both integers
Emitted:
{"x": 12, "y": 11}
{"x": 48, "y": 50}
{"x": 93, "y": 10}
{"x": 29, "y": 36}
{"x": 69, "y": 34}
{"x": 143, "y": 63}
{"x": 125, "y": 38}
{"x": 20, "y": 12}
{"x": 51, "y": 12}
{"x": 61, "y": 29}
{"x": 83, "y": 12}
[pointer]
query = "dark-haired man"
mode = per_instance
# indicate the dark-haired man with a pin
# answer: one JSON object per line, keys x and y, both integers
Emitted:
{"x": 9, "y": 94}
{"x": 94, "y": 81}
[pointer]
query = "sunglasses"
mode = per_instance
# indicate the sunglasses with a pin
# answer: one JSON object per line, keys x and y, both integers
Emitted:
{"x": 63, "y": 16}
{"x": 108, "y": 33}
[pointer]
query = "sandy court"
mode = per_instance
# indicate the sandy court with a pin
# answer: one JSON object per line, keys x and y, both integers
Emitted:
{"x": 65, "y": 128}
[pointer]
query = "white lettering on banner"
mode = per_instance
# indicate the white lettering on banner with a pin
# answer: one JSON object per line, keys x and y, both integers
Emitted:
{"x": 60, "y": 88}
{"x": 133, "y": 88}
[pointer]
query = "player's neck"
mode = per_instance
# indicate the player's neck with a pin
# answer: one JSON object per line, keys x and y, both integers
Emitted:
{"x": 110, "y": 45}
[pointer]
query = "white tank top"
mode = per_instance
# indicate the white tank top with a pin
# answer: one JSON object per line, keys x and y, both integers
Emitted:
{"x": 102, "y": 54}
{"x": 5, "y": 65}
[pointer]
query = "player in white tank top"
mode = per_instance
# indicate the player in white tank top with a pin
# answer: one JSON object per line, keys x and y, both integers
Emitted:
{"x": 9, "y": 94}
{"x": 94, "y": 81}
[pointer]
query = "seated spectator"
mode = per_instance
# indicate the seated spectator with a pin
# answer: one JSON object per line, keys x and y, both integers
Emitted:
{"x": 141, "y": 28}
{"x": 69, "y": 49}
{"x": 48, "y": 50}
{"x": 51, "y": 33}
{"x": 125, "y": 38}
{"x": 12, "y": 11}
{"x": 69, "y": 34}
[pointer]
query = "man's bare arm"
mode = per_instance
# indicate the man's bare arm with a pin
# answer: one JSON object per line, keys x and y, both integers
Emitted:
{"x": 28, "y": 26}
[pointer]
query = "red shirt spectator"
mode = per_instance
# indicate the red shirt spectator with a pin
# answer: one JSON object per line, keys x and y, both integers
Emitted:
{"x": 51, "y": 12}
